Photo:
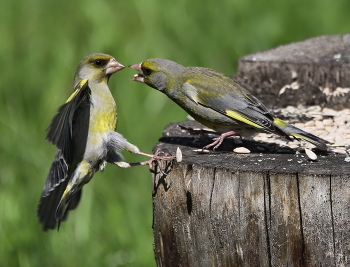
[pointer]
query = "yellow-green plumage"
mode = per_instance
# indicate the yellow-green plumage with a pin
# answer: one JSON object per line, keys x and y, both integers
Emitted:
{"x": 215, "y": 100}
{"x": 83, "y": 131}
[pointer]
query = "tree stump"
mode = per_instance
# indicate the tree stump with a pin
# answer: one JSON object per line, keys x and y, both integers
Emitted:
{"x": 258, "y": 209}
{"x": 312, "y": 72}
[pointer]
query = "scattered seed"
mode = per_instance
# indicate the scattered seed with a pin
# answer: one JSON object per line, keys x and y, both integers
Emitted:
{"x": 328, "y": 122}
{"x": 310, "y": 154}
{"x": 339, "y": 150}
{"x": 178, "y": 155}
{"x": 317, "y": 117}
{"x": 314, "y": 108}
{"x": 309, "y": 123}
{"x": 329, "y": 112}
{"x": 291, "y": 109}
{"x": 319, "y": 125}
{"x": 241, "y": 150}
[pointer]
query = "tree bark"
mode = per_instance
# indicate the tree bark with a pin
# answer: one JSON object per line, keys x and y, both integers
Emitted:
{"x": 227, "y": 209}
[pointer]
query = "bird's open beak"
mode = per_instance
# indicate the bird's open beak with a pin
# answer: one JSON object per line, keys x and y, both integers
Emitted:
{"x": 113, "y": 66}
{"x": 138, "y": 77}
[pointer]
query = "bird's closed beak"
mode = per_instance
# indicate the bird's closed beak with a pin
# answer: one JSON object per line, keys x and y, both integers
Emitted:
{"x": 137, "y": 77}
{"x": 113, "y": 66}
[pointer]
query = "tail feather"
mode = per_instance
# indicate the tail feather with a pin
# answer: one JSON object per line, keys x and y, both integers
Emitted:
{"x": 69, "y": 200}
{"x": 54, "y": 188}
{"x": 47, "y": 207}
{"x": 63, "y": 205}
{"x": 301, "y": 134}
{"x": 55, "y": 185}
{"x": 81, "y": 175}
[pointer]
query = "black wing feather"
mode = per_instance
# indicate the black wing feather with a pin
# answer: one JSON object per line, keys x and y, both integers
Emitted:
{"x": 60, "y": 133}
{"x": 60, "y": 129}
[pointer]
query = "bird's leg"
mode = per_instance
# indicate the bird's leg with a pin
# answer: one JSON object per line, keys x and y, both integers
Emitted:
{"x": 205, "y": 132}
{"x": 217, "y": 141}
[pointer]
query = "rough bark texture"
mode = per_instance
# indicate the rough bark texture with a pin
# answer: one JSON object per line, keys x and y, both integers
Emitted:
{"x": 312, "y": 72}
{"x": 226, "y": 209}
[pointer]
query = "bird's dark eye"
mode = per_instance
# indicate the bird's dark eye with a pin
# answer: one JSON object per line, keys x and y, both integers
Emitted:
{"x": 146, "y": 71}
{"x": 100, "y": 62}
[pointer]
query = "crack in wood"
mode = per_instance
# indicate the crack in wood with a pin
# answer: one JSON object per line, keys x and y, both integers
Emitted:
{"x": 267, "y": 211}
{"x": 301, "y": 221}
{"x": 332, "y": 215}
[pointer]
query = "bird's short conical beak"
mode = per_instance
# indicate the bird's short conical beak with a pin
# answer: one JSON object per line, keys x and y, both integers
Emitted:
{"x": 137, "y": 77}
{"x": 113, "y": 66}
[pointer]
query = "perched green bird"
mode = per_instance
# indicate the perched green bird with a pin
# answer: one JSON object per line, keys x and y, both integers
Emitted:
{"x": 83, "y": 131}
{"x": 216, "y": 101}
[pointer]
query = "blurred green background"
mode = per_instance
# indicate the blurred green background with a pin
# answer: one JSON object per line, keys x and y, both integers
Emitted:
{"x": 41, "y": 43}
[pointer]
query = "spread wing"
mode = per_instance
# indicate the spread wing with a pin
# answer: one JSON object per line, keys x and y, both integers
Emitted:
{"x": 60, "y": 133}
{"x": 60, "y": 129}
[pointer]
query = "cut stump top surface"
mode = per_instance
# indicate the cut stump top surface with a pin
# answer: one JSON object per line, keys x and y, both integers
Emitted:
{"x": 315, "y": 71}
{"x": 331, "y": 49}
{"x": 225, "y": 158}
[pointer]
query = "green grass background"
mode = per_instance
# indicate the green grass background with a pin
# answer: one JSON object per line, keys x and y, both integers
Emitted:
{"x": 41, "y": 43}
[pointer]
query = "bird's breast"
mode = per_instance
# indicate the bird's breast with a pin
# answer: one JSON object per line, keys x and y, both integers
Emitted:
{"x": 103, "y": 118}
{"x": 103, "y": 112}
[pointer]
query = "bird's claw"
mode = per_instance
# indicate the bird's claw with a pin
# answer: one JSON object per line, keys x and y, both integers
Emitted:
{"x": 217, "y": 142}
{"x": 155, "y": 158}
{"x": 158, "y": 159}
{"x": 206, "y": 133}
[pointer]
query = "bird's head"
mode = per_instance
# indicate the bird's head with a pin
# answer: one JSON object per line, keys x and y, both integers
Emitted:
{"x": 158, "y": 73}
{"x": 97, "y": 68}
